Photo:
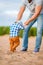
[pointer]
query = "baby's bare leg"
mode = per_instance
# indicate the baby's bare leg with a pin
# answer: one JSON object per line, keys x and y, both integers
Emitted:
{"x": 11, "y": 44}
{"x": 16, "y": 44}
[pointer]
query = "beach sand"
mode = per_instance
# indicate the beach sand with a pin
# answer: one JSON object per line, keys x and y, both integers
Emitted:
{"x": 19, "y": 57}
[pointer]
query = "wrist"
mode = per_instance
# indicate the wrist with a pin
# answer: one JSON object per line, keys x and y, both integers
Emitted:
{"x": 29, "y": 21}
{"x": 18, "y": 20}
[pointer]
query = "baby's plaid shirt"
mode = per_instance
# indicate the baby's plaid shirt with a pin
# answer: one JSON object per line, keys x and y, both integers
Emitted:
{"x": 15, "y": 28}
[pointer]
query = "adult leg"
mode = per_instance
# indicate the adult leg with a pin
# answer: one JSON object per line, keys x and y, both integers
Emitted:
{"x": 39, "y": 33}
{"x": 25, "y": 36}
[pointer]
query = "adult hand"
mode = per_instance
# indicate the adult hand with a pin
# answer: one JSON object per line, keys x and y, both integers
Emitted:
{"x": 26, "y": 23}
{"x": 17, "y": 21}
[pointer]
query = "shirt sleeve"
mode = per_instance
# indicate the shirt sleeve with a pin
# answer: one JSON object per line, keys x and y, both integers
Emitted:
{"x": 24, "y": 3}
{"x": 20, "y": 25}
{"x": 39, "y": 2}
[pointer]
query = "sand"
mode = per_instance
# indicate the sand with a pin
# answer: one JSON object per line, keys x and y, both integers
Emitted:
{"x": 19, "y": 57}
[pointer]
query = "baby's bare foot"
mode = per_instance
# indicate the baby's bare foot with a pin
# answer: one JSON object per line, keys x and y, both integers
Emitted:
{"x": 9, "y": 52}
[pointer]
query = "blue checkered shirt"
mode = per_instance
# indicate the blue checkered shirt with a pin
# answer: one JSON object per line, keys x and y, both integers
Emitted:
{"x": 15, "y": 28}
